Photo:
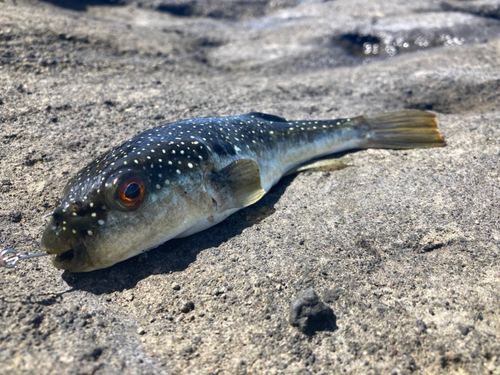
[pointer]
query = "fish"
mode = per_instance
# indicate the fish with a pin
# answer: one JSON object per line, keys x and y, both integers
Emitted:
{"x": 181, "y": 178}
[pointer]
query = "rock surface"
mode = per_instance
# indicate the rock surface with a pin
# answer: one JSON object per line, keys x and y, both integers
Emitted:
{"x": 403, "y": 245}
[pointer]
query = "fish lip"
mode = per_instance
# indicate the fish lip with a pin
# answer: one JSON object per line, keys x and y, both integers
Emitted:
{"x": 66, "y": 256}
{"x": 75, "y": 259}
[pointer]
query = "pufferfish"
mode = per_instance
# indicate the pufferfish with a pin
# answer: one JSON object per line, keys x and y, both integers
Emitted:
{"x": 181, "y": 178}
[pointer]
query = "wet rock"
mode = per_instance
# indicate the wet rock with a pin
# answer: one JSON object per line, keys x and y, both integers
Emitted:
{"x": 309, "y": 314}
{"x": 82, "y": 4}
{"x": 483, "y": 8}
{"x": 388, "y": 37}
{"x": 177, "y": 8}
{"x": 222, "y": 9}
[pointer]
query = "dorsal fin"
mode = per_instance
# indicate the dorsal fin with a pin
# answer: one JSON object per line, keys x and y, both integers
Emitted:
{"x": 266, "y": 117}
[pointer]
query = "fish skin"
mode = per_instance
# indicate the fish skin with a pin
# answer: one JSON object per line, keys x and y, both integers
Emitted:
{"x": 196, "y": 172}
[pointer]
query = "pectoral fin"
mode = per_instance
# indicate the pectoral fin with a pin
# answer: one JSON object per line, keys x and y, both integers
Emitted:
{"x": 235, "y": 186}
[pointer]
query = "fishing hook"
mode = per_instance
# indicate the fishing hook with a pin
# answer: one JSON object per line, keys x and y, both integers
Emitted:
{"x": 10, "y": 257}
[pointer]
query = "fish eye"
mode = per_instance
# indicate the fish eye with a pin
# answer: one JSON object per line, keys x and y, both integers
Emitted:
{"x": 131, "y": 192}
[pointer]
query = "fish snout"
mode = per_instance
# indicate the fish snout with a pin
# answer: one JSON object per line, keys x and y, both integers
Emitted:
{"x": 56, "y": 240}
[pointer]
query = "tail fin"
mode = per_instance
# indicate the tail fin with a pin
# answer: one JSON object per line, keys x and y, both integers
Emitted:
{"x": 403, "y": 129}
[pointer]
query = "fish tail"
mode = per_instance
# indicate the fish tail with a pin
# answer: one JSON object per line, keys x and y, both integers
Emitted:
{"x": 402, "y": 129}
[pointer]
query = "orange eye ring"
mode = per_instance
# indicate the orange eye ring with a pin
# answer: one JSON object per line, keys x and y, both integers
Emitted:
{"x": 131, "y": 192}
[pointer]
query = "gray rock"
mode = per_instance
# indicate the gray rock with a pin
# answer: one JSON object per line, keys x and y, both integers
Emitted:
{"x": 186, "y": 306}
{"x": 309, "y": 314}
{"x": 464, "y": 329}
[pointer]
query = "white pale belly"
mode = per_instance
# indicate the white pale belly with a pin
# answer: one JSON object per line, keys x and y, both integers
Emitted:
{"x": 207, "y": 222}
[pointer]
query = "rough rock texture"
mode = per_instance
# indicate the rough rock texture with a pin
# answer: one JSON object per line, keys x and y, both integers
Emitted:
{"x": 310, "y": 314}
{"x": 403, "y": 245}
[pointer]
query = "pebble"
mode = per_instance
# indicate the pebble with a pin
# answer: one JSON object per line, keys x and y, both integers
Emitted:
{"x": 196, "y": 339}
{"x": 421, "y": 326}
{"x": 310, "y": 314}
{"x": 93, "y": 355}
{"x": 186, "y": 306}
{"x": 330, "y": 296}
{"x": 129, "y": 296}
{"x": 464, "y": 330}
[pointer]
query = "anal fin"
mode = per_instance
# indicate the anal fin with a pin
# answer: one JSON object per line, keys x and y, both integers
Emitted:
{"x": 332, "y": 164}
{"x": 236, "y": 186}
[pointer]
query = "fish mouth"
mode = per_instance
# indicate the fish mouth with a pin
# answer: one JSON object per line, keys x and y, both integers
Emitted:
{"x": 66, "y": 256}
{"x": 73, "y": 259}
